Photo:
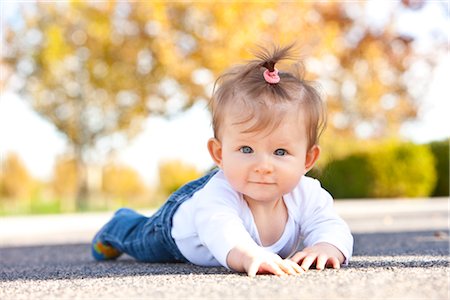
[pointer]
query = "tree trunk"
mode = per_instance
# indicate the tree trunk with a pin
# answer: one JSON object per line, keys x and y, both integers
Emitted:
{"x": 82, "y": 194}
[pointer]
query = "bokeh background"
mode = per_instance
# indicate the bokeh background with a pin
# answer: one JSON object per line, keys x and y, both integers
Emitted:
{"x": 104, "y": 104}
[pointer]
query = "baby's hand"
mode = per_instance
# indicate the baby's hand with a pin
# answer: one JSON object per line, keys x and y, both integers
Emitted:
{"x": 322, "y": 254}
{"x": 273, "y": 264}
{"x": 253, "y": 260}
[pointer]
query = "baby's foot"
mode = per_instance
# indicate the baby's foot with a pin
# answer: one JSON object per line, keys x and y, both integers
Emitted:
{"x": 101, "y": 251}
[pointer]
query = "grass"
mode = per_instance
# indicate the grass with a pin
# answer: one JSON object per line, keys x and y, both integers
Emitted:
{"x": 41, "y": 206}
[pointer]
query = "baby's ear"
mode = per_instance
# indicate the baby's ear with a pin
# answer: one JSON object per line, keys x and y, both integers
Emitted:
{"x": 311, "y": 157}
{"x": 215, "y": 150}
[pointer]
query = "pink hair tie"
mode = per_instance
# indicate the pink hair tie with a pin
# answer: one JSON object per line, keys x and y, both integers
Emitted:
{"x": 271, "y": 77}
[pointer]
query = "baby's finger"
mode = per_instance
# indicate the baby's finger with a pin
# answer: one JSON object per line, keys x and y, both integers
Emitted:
{"x": 334, "y": 263}
{"x": 308, "y": 261}
{"x": 253, "y": 269}
{"x": 263, "y": 267}
{"x": 296, "y": 267}
{"x": 272, "y": 268}
{"x": 297, "y": 258}
{"x": 321, "y": 261}
{"x": 287, "y": 267}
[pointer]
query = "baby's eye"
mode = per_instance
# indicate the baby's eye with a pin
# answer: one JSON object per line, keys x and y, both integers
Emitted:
{"x": 246, "y": 149}
{"x": 280, "y": 152}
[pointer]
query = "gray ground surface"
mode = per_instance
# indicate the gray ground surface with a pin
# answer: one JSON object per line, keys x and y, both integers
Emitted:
{"x": 399, "y": 252}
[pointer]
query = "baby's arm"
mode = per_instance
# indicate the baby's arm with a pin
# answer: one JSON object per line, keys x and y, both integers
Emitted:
{"x": 322, "y": 254}
{"x": 327, "y": 237}
{"x": 252, "y": 259}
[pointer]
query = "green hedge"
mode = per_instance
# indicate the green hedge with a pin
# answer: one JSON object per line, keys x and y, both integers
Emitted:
{"x": 349, "y": 177}
{"x": 441, "y": 154}
{"x": 389, "y": 170}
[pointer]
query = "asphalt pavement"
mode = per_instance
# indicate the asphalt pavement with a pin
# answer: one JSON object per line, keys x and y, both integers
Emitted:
{"x": 401, "y": 251}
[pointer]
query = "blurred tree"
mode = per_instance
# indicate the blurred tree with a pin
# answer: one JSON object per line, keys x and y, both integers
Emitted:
{"x": 97, "y": 69}
{"x": 174, "y": 174}
{"x": 64, "y": 182}
{"x": 90, "y": 69}
{"x": 15, "y": 181}
{"x": 121, "y": 181}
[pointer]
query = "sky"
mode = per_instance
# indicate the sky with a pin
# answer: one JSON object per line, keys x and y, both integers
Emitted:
{"x": 38, "y": 142}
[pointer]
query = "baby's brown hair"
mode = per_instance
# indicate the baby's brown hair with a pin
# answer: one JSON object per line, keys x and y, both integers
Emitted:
{"x": 263, "y": 102}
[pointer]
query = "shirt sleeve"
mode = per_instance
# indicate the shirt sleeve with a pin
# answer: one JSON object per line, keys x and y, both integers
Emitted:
{"x": 218, "y": 221}
{"x": 321, "y": 223}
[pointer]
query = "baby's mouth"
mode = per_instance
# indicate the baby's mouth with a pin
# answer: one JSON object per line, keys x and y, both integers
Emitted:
{"x": 262, "y": 182}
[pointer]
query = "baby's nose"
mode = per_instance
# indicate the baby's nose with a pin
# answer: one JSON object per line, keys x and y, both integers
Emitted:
{"x": 264, "y": 165}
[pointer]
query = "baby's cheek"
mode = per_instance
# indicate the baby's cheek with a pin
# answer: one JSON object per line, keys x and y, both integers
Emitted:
{"x": 291, "y": 181}
{"x": 234, "y": 178}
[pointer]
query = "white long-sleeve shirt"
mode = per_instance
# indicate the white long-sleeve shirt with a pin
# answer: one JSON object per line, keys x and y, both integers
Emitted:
{"x": 217, "y": 218}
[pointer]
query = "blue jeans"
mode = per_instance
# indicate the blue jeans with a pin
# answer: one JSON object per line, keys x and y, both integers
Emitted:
{"x": 149, "y": 239}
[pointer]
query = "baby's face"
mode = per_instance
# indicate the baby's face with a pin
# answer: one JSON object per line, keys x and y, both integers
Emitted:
{"x": 264, "y": 165}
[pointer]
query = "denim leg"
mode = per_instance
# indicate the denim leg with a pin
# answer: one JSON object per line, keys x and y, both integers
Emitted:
{"x": 120, "y": 231}
{"x": 138, "y": 236}
{"x": 149, "y": 238}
